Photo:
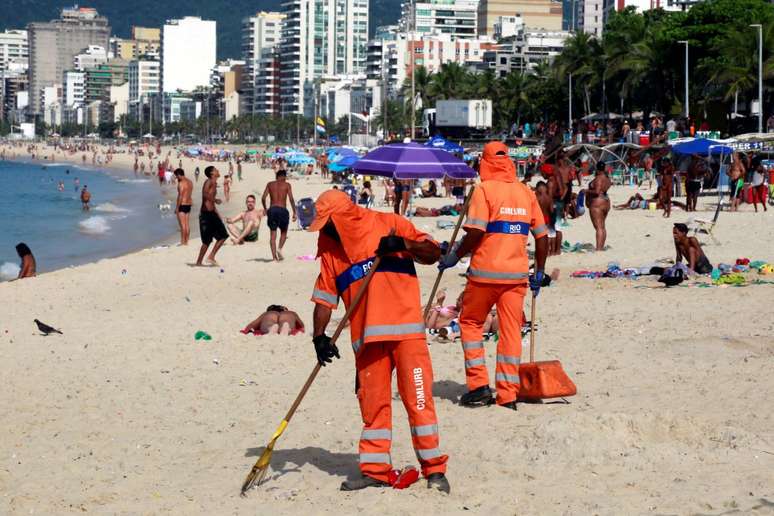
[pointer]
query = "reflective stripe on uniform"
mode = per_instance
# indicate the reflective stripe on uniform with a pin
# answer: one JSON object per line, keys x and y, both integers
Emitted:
{"x": 358, "y": 271}
{"x": 376, "y": 433}
{"x": 356, "y": 345}
{"x": 375, "y": 458}
{"x": 428, "y": 454}
{"x": 539, "y": 230}
{"x": 473, "y": 345}
{"x": 508, "y": 359}
{"x": 475, "y": 222}
{"x": 325, "y": 296}
{"x": 474, "y": 362}
{"x": 508, "y": 227}
{"x": 510, "y": 378}
{"x": 393, "y": 329}
{"x": 478, "y": 273}
{"x": 424, "y": 430}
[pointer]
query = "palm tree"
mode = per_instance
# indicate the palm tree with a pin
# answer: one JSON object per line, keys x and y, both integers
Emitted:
{"x": 582, "y": 57}
{"x": 451, "y": 81}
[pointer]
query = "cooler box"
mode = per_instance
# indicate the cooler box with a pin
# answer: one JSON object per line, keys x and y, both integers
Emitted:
{"x": 644, "y": 139}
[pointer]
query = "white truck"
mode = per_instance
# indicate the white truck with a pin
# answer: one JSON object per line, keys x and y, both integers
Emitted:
{"x": 459, "y": 118}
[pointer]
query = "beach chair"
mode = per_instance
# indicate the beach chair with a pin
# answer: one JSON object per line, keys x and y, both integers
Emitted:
{"x": 617, "y": 177}
{"x": 707, "y": 226}
{"x": 305, "y": 210}
{"x": 351, "y": 191}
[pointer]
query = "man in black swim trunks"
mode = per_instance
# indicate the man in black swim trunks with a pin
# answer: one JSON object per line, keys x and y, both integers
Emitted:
{"x": 696, "y": 172}
{"x": 210, "y": 226}
{"x": 278, "y": 192}
{"x": 183, "y": 207}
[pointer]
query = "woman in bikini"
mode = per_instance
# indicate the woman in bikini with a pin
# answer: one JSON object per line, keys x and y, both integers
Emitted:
{"x": 599, "y": 203}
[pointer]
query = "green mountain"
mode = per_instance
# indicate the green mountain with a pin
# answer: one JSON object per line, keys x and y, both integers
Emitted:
{"x": 152, "y": 13}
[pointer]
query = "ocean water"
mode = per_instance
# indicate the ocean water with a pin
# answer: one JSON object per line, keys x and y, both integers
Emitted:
{"x": 124, "y": 214}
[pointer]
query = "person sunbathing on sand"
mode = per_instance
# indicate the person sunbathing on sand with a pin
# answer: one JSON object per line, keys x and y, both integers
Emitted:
{"x": 251, "y": 223}
{"x": 276, "y": 320}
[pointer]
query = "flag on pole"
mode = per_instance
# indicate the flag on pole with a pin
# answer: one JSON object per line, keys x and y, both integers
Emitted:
{"x": 320, "y": 125}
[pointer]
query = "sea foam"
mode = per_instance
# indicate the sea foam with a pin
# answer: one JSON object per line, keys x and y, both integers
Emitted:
{"x": 95, "y": 225}
{"x": 9, "y": 271}
{"x": 107, "y": 207}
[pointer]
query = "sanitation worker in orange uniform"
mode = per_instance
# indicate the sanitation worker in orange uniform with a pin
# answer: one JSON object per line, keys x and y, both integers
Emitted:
{"x": 387, "y": 329}
{"x": 502, "y": 213}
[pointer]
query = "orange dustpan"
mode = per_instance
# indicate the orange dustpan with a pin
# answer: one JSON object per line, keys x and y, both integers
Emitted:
{"x": 542, "y": 380}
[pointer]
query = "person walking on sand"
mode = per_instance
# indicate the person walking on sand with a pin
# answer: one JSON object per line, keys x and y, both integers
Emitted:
{"x": 227, "y": 186}
{"x": 251, "y": 223}
{"x": 183, "y": 206}
{"x": 210, "y": 226}
{"x": 386, "y": 329}
{"x": 502, "y": 213}
{"x": 85, "y": 198}
{"x": 279, "y": 192}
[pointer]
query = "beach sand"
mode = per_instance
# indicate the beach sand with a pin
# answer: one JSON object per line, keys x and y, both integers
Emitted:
{"x": 127, "y": 413}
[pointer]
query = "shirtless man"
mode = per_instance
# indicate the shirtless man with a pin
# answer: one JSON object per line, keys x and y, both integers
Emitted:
{"x": 183, "y": 206}
{"x": 547, "y": 207}
{"x": 210, "y": 226}
{"x": 251, "y": 222}
{"x": 85, "y": 198}
{"x": 276, "y": 320}
{"x": 666, "y": 173}
{"x": 736, "y": 172}
{"x": 696, "y": 172}
{"x": 278, "y": 192}
{"x": 599, "y": 203}
{"x": 690, "y": 248}
{"x": 565, "y": 173}
{"x": 557, "y": 192}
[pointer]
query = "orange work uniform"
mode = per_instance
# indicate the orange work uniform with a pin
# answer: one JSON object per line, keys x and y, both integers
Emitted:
{"x": 387, "y": 329}
{"x": 507, "y": 211}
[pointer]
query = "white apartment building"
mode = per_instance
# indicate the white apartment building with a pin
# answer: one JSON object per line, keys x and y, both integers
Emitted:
{"x": 429, "y": 50}
{"x": 144, "y": 79}
{"x": 188, "y": 53}
{"x": 13, "y": 49}
{"x": 261, "y": 36}
{"x": 457, "y": 18}
{"x": 594, "y": 17}
{"x": 319, "y": 38}
{"x": 74, "y": 84}
{"x": 91, "y": 56}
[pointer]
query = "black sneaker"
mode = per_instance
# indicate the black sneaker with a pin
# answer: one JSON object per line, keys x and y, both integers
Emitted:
{"x": 438, "y": 481}
{"x": 480, "y": 397}
{"x": 510, "y": 405}
{"x": 361, "y": 483}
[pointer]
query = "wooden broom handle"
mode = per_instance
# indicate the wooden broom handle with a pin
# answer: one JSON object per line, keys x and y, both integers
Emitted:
{"x": 342, "y": 324}
{"x": 532, "y": 330}
{"x": 464, "y": 212}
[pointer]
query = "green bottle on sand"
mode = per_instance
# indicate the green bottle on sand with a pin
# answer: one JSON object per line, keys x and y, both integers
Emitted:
{"x": 202, "y": 335}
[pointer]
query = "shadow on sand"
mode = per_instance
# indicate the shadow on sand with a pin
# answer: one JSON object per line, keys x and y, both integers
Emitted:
{"x": 287, "y": 461}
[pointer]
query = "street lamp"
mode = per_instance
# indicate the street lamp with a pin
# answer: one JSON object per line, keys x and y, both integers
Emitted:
{"x": 687, "y": 104}
{"x": 760, "y": 75}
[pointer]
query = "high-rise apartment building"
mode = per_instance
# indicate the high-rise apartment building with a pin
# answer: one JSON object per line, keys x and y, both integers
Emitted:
{"x": 14, "y": 49}
{"x": 458, "y": 18}
{"x": 144, "y": 79}
{"x": 319, "y": 38}
{"x": 594, "y": 16}
{"x": 145, "y": 41}
{"x": 54, "y": 44}
{"x": 92, "y": 56}
{"x": 74, "y": 85}
{"x": 537, "y": 14}
{"x": 260, "y": 81}
{"x": 188, "y": 53}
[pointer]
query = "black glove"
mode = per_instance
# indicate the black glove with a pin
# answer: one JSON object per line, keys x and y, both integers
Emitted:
{"x": 325, "y": 349}
{"x": 390, "y": 244}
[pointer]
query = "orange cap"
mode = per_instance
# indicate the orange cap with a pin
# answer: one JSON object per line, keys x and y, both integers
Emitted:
{"x": 329, "y": 202}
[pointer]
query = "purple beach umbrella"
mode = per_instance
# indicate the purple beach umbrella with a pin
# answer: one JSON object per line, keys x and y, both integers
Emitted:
{"x": 412, "y": 161}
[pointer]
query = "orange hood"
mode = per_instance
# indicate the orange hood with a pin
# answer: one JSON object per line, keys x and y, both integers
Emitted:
{"x": 497, "y": 167}
{"x": 352, "y": 222}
